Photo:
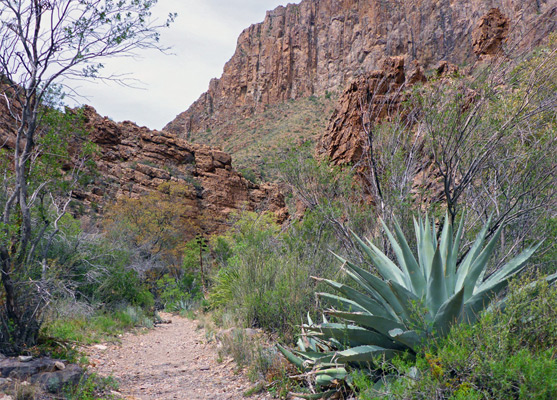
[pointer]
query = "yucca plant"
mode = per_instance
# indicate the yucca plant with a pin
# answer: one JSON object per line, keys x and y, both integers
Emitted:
{"x": 406, "y": 304}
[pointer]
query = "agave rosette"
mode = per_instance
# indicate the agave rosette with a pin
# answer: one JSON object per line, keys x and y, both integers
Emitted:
{"x": 380, "y": 315}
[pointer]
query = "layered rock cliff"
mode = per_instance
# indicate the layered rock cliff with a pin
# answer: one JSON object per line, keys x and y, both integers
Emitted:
{"x": 319, "y": 46}
{"x": 132, "y": 161}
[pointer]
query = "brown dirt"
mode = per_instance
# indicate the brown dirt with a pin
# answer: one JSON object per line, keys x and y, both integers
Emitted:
{"x": 171, "y": 361}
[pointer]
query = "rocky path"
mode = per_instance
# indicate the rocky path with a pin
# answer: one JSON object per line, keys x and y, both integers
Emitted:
{"x": 171, "y": 361}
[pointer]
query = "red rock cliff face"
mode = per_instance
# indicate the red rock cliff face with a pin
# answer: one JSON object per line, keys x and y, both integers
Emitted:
{"x": 319, "y": 45}
{"x": 134, "y": 160}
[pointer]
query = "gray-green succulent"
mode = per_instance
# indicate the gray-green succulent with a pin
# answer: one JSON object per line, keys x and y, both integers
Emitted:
{"x": 397, "y": 310}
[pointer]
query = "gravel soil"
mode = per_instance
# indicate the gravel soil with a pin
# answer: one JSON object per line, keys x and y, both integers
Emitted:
{"x": 171, "y": 361}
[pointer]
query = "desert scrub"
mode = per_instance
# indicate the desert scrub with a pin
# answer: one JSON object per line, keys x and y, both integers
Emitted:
{"x": 509, "y": 354}
{"x": 404, "y": 306}
{"x": 92, "y": 387}
{"x": 252, "y": 351}
{"x": 264, "y": 276}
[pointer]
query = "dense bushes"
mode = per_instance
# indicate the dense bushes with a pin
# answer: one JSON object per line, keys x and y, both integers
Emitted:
{"x": 264, "y": 274}
{"x": 482, "y": 146}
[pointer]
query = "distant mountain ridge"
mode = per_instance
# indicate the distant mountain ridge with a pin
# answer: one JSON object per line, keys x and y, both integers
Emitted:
{"x": 318, "y": 46}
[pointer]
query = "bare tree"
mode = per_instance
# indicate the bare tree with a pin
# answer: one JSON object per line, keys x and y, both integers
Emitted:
{"x": 44, "y": 42}
{"x": 493, "y": 141}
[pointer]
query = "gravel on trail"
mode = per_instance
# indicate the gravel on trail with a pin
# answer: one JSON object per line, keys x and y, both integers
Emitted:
{"x": 172, "y": 361}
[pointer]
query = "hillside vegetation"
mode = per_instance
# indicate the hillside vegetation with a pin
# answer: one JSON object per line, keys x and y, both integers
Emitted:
{"x": 261, "y": 140}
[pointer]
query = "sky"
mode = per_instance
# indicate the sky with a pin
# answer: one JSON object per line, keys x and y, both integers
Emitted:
{"x": 202, "y": 39}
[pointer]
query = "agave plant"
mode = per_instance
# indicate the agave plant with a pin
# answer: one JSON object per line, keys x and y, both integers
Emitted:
{"x": 380, "y": 316}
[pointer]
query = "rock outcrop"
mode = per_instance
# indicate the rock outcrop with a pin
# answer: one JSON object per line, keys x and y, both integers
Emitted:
{"x": 490, "y": 33}
{"x": 134, "y": 160}
{"x": 369, "y": 99}
{"x": 51, "y": 375}
{"x": 321, "y": 45}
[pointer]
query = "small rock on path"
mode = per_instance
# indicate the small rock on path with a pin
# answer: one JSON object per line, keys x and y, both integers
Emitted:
{"x": 171, "y": 361}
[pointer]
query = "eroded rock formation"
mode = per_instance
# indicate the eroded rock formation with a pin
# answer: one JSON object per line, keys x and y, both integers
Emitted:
{"x": 321, "y": 45}
{"x": 490, "y": 33}
{"x": 367, "y": 100}
{"x": 134, "y": 160}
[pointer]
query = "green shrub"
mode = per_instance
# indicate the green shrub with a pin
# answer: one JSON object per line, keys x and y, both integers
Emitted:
{"x": 103, "y": 325}
{"x": 120, "y": 285}
{"x": 92, "y": 387}
{"x": 264, "y": 279}
{"x": 178, "y": 294}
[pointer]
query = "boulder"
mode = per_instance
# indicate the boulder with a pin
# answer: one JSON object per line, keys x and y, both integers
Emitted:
{"x": 55, "y": 381}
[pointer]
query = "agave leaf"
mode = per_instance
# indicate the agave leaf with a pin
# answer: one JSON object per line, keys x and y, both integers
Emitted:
{"x": 446, "y": 241}
{"x": 449, "y": 313}
{"x": 436, "y": 289}
{"x": 446, "y": 248}
{"x": 370, "y": 305}
{"x": 493, "y": 285}
{"x": 384, "y": 265}
{"x": 399, "y": 255}
{"x": 352, "y": 335}
{"x": 426, "y": 249}
{"x": 380, "y": 287}
{"x": 479, "y": 301}
{"x": 365, "y": 354}
{"x": 310, "y": 343}
{"x": 551, "y": 278}
{"x": 352, "y": 271}
{"x": 379, "y": 324}
{"x": 297, "y": 361}
{"x": 405, "y": 298}
{"x": 410, "y": 339}
{"x": 314, "y": 357}
{"x": 472, "y": 254}
{"x": 341, "y": 302}
{"x": 300, "y": 343}
{"x": 452, "y": 258}
{"x": 480, "y": 264}
{"x": 363, "y": 283}
{"x": 336, "y": 373}
{"x": 417, "y": 229}
{"x": 510, "y": 268}
{"x": 330, "y": 376}
{"x": 310, "y": 321}
{"x": 416, "y": 274}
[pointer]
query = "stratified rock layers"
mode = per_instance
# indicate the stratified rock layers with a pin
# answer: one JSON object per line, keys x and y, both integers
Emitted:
{"x": 321, "y": 45}
{"x": 134, "y": 160}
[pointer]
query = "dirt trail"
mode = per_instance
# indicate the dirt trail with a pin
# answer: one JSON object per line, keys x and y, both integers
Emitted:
{"x": 172, "y": 361}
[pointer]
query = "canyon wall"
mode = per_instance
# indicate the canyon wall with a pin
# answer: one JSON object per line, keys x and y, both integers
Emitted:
{"x": 319, "y": 46}
{"x": 131, "y": 161}
{"x": 134, "y": 160}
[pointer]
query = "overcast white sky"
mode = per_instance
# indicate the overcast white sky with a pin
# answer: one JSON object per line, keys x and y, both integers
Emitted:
{"x": 203, "y": 38}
